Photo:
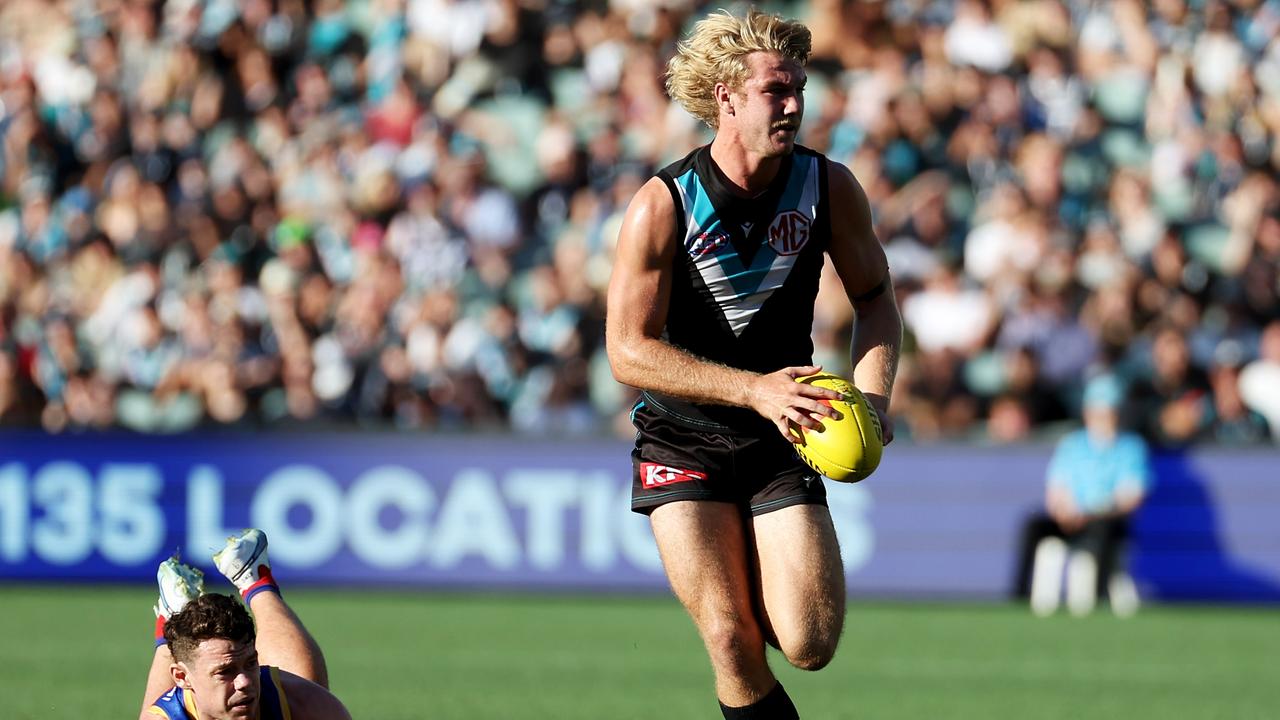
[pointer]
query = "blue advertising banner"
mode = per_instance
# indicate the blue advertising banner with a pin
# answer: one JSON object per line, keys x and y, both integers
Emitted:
{"x": 505, "y": 512}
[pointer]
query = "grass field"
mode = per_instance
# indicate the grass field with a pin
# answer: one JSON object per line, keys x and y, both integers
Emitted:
{"x": 71, "y": 652}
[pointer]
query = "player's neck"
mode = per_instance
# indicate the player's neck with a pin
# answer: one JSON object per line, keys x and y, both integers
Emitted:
{"x": 744, "y": 172}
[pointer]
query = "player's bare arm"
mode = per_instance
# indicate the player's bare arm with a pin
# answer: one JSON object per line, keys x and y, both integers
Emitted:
{"x": 638, "y": 301}
{"x": 860, "y": 262}
{"x": 311, "y": 701}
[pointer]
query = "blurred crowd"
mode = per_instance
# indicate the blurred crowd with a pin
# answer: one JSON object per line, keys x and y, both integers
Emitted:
{"x": 400, "y": 214}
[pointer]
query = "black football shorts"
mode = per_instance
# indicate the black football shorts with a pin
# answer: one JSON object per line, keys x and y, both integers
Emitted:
{"x": 758, "y": 471}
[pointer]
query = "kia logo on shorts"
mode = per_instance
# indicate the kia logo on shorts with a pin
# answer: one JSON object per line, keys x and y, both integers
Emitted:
{"x": 653, "y": 475}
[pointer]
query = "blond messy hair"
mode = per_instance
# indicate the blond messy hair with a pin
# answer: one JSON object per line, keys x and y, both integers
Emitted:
{"x": 716, "y": 51}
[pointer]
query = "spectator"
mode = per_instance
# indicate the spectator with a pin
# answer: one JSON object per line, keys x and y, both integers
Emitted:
{"x": 1233, "y": 422}
{"x": 1171, "y": 405}
{"x": 1259, "y": 381}
{"x": 236, "y": 214}
{"x": 1097, "y": 478}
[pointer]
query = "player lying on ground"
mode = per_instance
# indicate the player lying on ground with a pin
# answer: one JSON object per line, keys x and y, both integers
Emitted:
{"x": 209, "y": 662}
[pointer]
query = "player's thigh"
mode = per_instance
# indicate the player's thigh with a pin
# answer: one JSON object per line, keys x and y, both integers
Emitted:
{"x": 800, "y": 574}
{"x": 703, "y": 546}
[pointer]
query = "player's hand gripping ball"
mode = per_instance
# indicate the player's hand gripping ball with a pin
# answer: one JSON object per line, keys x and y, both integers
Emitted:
{"x": 848, "y": 449}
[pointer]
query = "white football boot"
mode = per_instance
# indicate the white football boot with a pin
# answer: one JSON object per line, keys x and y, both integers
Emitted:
{"x": 244, "y": 558}
{"x": 179, "y": 584}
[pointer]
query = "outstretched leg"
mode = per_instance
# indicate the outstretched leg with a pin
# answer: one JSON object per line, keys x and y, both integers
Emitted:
{"x": 283, "y": 641}
{"x": 158, "y": 678}
{"x": 179, "y": 584}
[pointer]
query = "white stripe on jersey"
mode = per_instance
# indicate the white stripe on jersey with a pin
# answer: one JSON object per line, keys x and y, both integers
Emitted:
{"x": 740, "y": 306}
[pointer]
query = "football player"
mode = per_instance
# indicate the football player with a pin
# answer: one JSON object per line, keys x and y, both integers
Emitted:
{"x": 211, "y": 663}
{"x": 710, "y": 313}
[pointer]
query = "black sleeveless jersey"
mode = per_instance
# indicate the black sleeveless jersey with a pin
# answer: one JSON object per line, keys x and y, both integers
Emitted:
{"x": 745, "y": 275}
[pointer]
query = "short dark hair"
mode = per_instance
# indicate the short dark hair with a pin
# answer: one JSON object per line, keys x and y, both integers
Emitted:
{"x": 205, "y": 618}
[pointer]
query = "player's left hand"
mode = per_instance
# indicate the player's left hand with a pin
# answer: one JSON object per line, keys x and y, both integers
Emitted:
{"x": 880, "y": 404}
{"x": 886, "y": 427}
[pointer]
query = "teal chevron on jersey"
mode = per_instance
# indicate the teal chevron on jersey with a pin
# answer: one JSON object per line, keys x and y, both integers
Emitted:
{"x": 741, "y": 288}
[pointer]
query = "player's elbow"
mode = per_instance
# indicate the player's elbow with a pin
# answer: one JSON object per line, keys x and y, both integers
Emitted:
{"x": 624, "y": 361}
{"x": 881, "y": 317}
{"x": 625, "y": 351}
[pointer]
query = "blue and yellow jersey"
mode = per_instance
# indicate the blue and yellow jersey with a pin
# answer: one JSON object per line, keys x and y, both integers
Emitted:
{"x": 273, "y": 705}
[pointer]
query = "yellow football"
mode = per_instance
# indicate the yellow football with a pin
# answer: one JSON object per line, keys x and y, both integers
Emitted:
{"x": 848, "y": 449}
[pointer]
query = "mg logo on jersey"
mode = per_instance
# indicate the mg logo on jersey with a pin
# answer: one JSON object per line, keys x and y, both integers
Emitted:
{"x": 653, "y": 475}
{"x": 788, "y": 232}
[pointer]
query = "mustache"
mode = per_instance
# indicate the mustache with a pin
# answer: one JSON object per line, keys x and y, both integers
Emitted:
{"x": 785, "y": 125}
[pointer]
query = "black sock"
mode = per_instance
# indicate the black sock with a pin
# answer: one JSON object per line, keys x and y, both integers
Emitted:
{"x": 776, "y": 705}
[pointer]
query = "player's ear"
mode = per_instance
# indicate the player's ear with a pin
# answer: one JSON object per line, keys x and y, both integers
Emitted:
{"x": 724, "y": 98}
{"x": 178, "y": 671}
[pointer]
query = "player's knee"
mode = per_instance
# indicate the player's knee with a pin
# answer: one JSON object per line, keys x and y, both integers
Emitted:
{"x": 812, "y": 653}
{"x": 809, "y": 642}
{"x": 733, "y": 641}
{"x": 813, "y": 647}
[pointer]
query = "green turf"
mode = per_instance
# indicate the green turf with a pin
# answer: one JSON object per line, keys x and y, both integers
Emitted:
{"x": 72, "y": 652}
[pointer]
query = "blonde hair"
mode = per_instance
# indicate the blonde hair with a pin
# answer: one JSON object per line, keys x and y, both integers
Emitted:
{"x": 716, "y": 51}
